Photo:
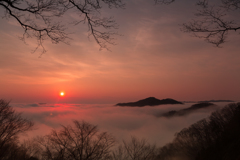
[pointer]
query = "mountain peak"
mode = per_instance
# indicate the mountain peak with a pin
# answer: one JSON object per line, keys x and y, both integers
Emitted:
{"x": 150, "y": 101}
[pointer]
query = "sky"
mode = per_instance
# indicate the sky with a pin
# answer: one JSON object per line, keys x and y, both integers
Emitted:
{"x": 151, "y": 58}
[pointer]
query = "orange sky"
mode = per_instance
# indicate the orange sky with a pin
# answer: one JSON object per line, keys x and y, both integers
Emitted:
{"x": 152, "y": 58}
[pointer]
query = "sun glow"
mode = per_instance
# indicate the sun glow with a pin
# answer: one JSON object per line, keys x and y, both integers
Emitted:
{"x": 62, "y": 94}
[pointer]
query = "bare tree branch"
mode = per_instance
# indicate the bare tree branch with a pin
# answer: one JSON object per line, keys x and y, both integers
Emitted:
{"x": 82, "y": 141}
{"x": 42, "y": 19}
{"x": 211, "y": 22}
{"x": 231, "y": 4}
{"x": 136, "y": 149}
{"x": 38, "y": 18}
{"x": 11, "y": 126}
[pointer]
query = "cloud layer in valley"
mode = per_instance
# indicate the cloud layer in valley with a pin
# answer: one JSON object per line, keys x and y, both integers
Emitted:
{"x": 122, "y": 122}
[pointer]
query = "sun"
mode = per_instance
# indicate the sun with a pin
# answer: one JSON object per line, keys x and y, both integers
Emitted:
{"x": 62, "y": 94}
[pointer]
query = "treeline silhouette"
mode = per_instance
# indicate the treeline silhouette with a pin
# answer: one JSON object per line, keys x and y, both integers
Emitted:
{"x": 216, "y": 137}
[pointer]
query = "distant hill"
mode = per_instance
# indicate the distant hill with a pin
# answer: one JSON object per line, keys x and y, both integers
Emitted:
{"x": 189, "y": 110}
{"x": 151, "y": 101}
{"x": 216, "y": 101}
{"x": 213, "y": 101}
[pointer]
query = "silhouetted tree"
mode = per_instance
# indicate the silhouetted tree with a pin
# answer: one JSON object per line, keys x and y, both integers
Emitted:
{"x": 12, "y": 124}
{"x": 16, "y": 151}
{"x": 42, "y": 19}
{"x": 32, "y": 149}
{"x": 135, "y": 150}
{"x": 82, "y": 141}
{"x": 38, "y": 18}
{"x": 212, "y": 21}
{"x": 216, "y": 137}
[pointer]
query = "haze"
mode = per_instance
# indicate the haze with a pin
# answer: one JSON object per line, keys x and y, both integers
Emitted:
{"x": 121, "y": 122}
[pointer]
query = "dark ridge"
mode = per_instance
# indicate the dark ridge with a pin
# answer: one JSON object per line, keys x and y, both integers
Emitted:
{"x": 189, "y": 110}
{"x": 200, "y": 105}
{"x": 215, "y": 101}
{"x": 42, "y": 103}
{"x": 151, "y": 101}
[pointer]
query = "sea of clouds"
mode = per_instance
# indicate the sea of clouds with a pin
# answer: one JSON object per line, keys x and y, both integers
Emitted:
{"x": 121, "y": 122}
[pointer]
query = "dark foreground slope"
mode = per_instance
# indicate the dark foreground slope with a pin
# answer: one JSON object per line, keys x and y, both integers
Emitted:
{"x": 213, "y": 138}
{"x": 151, "y": 101}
